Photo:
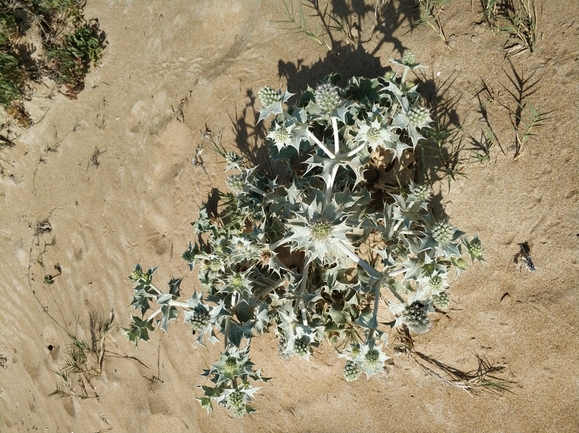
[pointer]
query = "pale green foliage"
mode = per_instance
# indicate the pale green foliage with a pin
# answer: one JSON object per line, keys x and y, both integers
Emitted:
{"x": 518, "y": 18}
{"x": 430, "y": 11}
{"x": 309, "y": 252}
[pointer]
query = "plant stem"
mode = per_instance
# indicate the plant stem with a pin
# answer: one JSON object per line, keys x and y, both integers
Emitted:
{"x": 406, "y": 69}
{"x": 330, "y": 185}
{"x": 301, "y": 290}
{"x": 256, "y": 190}
{"x": 375, "y": 309}
{"x": 359, "y": 261}
{"x": 364, "y": 265}
{"x": 304, "y": 315}
{"x": 152, "y": 316}
{"x": 336, "y": 135}
{"x": 319, "y": 143}
{"x": 228, "y": 321}
{"x": 356, "y": 150}
{"x": 152, "y": 286}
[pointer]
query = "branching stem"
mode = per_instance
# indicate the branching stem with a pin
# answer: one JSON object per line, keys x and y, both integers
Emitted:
{"x": 364, "y": 265}
{"x": 228, "y": 321}
{"x": 336, "y": 135}
{"x": 356, "y": 150}
{"x": 330, "y": 185}
{"x": 301, "y": 289}
{"x": 322, "y": 145}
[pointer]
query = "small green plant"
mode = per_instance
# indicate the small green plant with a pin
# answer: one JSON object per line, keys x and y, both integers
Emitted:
{"x": 70, "y": 44}
{"x": 71, "y": 60}
{"x": 84, "y": 360}
{"x": 11, "y": 79}
{"x": 324, "y": 35}
{"x": 430, "y": 11}
{"x": 8, "y": 28}
{"x": 314, "y": 251}
{"x": 527, "y": 119}
{"x": 518, "y": 18}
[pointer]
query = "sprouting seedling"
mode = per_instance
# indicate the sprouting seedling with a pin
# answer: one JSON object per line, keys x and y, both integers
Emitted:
{"x": 329, "y": 23}
{"x": 522, "y": 21}
{"x": 49, "y": 278}
{"x": 300, "y": 23}
{"x": 430, "y": 11}
{"x": 528, "y": 120}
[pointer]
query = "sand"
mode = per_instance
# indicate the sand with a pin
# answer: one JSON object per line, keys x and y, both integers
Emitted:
{"x": 111, "y": 177}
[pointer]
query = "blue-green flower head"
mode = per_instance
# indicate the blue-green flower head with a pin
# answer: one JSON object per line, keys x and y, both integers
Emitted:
{"x": 443, "y": 233}
{"x": 371, "y": 358}
{"x": 421, "y": 193}
{"x": 237, "y": 282}
{"x": 408, "y": 60}
{"x": 268, "y": 96}
{"x": 475, "y": 248}
{"x": 374, "y": 134}
{"x": 272, "y": 101}
{"x": 242, "y": 249}
{"x": 233, "y": 363}
{"x": 281, "y": 135}
{"x": 299, "y": 342}
{"x": 441, "y": 300}
{"x": 416, "y": 317}
{"x": 352, "y": 371}
{"x": 419, "y": 117}
{"x": 315, "y": 231}
{"x": 327, "y": 97}
{"x": 236, "y": 183}
{"x": 412, "y": 120}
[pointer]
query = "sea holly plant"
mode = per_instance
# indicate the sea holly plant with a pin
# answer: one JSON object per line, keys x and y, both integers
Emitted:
{"x": 313, "y": 252}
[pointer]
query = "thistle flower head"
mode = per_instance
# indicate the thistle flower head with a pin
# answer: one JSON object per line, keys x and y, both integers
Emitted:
{"x": 199, "y": 318}
{"x": 281, "y": 135}
{"x": 317, "y": 231}
{"x": 233, "y": 161}
{"x": 300, "y": 343}
{"x": 327, "y": 97}
{"x": 237, "y": 282}
{"x": 443, "y": 233}
{"x": 271, "y": 100}
{"x": 419, "y": 117}
{"x": 416, "y": 317}
{"x": 233, "y": 363}
{"x": 374, "y": 134}
{"x": 189, "y": 255}
{"x": 436, "y": 282}
{"x": 268, "y": 96}
{"x": 409, "y": 59}
{"x": 236, "y": 183}
{"x": 302, "y": 346}
{"x": 371, "y": 358}
{"x": 441, "y": 300}
{"x": 236, "y": 401}
{"x": 389, "y": 75}
{"x": 321, "y": 230}
{"x": 421, "y": 192}
{"x": 242, "y": 249}
{"x": 352, "y": 371}
{"x": 475, "y": 248}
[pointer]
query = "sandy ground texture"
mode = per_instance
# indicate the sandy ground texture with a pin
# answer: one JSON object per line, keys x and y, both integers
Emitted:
{"x": 106, "y": 181}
